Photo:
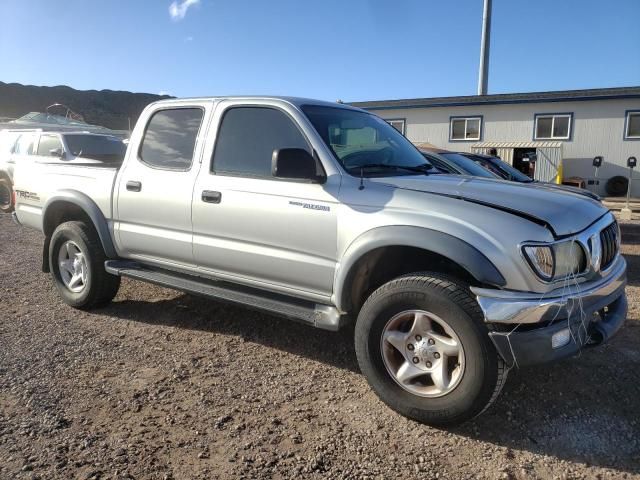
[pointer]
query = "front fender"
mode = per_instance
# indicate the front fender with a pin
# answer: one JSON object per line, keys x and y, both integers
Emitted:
{"x": 456, "y": 250}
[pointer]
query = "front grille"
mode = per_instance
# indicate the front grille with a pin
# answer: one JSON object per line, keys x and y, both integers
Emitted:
{"x": 609, "y": 242}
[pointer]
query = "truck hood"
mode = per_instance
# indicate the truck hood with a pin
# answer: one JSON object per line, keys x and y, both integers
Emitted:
{"x": 567, "y": 188}
{"x": 563, "y": 212}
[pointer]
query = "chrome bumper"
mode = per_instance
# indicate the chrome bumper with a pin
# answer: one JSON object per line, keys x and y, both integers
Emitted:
{"x": 503, "y": 306}
{"x": 584, "y": 315}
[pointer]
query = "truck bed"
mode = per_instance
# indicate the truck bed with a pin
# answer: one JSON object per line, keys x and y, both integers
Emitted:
{"x": 35, "y": 182}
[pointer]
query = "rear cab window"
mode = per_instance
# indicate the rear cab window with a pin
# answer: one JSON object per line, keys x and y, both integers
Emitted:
{"x": 170, "y": 138}
{"x": 104, "y": 148}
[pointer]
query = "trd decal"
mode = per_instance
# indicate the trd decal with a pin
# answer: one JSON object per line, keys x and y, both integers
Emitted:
{"x": 27, "y": 195}
{"x": 311, "y": 206}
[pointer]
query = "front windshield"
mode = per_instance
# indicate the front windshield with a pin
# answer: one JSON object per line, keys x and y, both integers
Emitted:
{"x": 97, "y": 147}
{"x": 469, "y": 166}
{"x": 364, "y": 143}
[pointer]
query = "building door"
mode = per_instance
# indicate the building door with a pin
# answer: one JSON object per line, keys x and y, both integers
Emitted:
{"x": 522, "y": 162}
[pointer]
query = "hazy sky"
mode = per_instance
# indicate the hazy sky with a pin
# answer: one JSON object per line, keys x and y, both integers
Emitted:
{"x": 328, "y": 49}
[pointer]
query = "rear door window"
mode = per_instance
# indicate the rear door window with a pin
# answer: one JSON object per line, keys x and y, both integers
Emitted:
{"x": 170, "y": 138}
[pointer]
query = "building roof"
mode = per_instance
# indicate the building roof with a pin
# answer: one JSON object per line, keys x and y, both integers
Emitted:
{"x": 504, "y": 98}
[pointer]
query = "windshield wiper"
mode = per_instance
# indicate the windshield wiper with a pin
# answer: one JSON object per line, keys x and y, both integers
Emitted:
{"x": 424, "y": 168}
{"x": 417, "y": 168}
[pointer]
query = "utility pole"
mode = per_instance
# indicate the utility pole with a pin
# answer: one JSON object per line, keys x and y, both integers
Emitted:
{"x": 483, "y": 75}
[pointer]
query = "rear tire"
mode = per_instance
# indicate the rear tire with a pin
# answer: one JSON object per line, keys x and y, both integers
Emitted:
{"x": 438, "y": 366}
{"x": 6, "y": 196}
{"x": 76, "y": 262}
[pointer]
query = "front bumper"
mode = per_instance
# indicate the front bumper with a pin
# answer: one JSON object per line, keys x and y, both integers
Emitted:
{"x": 588, "y": 314}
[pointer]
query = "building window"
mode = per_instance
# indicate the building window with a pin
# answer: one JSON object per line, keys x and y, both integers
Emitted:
{"x": 397, "y": 123}
{"x": 554, "y": 126}
{"x": 465, "y": 128}
{"x": 632, "y": 126}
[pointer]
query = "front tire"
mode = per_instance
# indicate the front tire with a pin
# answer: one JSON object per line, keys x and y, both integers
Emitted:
{"x": 76, "y": 262}
{"x": 422, "y": 344}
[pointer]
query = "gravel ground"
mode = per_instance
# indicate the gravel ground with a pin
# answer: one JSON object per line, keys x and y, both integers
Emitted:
{"x": 165, "y": 385}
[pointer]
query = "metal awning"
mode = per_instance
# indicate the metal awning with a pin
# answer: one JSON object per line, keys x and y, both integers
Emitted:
{"x": 518, "y": 145}
{"x": 549, "y": 165}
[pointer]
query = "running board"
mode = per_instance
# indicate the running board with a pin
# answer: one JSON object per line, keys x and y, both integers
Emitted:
{"x": 321, "y": 316}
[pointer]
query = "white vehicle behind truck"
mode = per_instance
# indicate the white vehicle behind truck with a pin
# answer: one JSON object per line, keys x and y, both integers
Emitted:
{"x": 325, "y": 214}
{"x": 51, "y": 147}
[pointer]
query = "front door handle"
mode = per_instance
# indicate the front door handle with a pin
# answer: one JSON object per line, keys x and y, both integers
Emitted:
{"x": 134, "y": 186}
{"x": 211, "y": 197}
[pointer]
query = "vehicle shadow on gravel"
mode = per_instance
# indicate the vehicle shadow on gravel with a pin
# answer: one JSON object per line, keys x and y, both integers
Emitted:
{"x": 630, "y": 233}
{"x": 581, "y": 410}
{"x": 195, "y": 313}
{"x": 633, "y": 265}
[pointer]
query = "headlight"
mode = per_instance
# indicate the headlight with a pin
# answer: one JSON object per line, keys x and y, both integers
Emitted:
{"x": 556, "y": 261}
{"x": 541, "y": 259}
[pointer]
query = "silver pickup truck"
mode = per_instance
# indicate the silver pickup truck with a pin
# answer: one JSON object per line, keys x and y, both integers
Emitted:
{"x": 325, "y": 214}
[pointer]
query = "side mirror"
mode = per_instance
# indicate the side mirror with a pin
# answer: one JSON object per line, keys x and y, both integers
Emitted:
{"x": 56, "y": 152}
{"x": 295, "y": 163}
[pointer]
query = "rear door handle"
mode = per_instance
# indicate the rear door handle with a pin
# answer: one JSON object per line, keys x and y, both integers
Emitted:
{"x": 134, "y": 186}
{"x": 211, "y": 197}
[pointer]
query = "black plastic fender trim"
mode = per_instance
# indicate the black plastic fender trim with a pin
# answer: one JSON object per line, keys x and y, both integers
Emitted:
{"x": 453, "y": 248}
{"x": 93, "y": 212}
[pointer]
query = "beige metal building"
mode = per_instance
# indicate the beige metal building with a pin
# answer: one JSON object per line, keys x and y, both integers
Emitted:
{"x": 565, "y": 129}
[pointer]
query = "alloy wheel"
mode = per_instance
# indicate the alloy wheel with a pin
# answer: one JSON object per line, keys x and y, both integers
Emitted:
{"x": 422, "y": 353}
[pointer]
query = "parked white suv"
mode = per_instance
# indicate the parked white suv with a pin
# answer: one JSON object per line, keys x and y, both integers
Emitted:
{"x": 72, "y": 148}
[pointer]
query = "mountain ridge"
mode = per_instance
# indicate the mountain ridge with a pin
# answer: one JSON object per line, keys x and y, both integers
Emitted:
{"x": 109, "y": 108}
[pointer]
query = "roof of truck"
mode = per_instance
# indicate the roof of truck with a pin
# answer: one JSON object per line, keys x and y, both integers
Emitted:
{"x": 297, "y": 101}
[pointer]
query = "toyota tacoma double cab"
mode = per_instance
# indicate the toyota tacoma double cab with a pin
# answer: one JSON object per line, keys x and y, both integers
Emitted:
{"x": 325, "y": 214}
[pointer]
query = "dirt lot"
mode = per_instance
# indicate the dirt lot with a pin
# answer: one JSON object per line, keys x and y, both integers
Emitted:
{"x": 166, "y": 385}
